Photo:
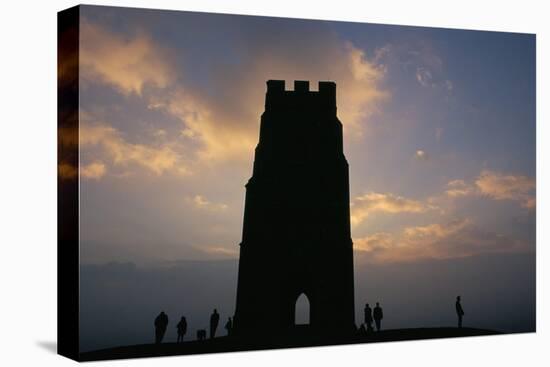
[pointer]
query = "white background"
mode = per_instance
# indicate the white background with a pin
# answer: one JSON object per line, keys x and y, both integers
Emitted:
{"x": 28, "y": 182}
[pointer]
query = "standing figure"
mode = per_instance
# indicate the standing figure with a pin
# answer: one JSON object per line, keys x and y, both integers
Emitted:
{"x": 368, "y": 317}
{"x": 229, "y": 326}
{"x": 182, "y": 329}
{"x": 201, "y": 334}
{"x": 214, "y": 320}
{"x": 459, "y": 311}
{"x": 161, "y": 322}
{"x": 378, "y": 315}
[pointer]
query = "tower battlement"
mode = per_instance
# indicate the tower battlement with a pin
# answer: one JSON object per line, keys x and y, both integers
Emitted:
{"x": 325, "y": 87}
{"x": 277, "y": 94}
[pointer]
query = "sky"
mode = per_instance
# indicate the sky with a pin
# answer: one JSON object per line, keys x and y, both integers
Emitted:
{"x": 439, "y": 132}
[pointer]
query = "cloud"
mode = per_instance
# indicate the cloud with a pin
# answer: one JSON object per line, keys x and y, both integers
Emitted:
{"x": 222, "y": 116}
{"x": 424, "y": 77}
{"x": 200, "y": 202}
{"x": 359, "y": 85}
{"x": 421, "y": 59}
{"x": 427, "y": 79}
{"x": 156, "y": 159}
{"x": 375, "y": 242}
{"x": 435, "y": 231}
{"x": 362, "y": 95}
{"x": 455, "y": 239}
{"x": 227, "y": 127}
{"x": 159, "y": 133}
{"x": 500, "y": 186}
{"x": 363, "y": 206}
{"x": 94, "y": 170}
{"x": 127, "y": 62}
{"x": 497, "y": 186}
{"x": 458, "y": 188}
{"x": 221, "y": 137}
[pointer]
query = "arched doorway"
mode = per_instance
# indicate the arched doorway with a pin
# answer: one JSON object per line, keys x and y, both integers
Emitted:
{"x": 302, "y": 310}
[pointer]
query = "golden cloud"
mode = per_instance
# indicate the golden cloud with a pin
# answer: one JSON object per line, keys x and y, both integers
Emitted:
{"x": 375, "y": 242}
{"x": 225, "y": 123}
{"x": 200, "y": 202}
{"x": 363, "y": 206}
{"x": 361, "y": 93}
{"x": 458, "y": 238}
{"x": 94, "y": 170}
{"x": 228, "y": 127}
{"x": 435, "y": 231}
{"x": 457, "y": 188}
{"x": 497, "y": 186}
{"x": 127, "y": 63}
{"x": 157, "y": 159}
{"x": 221, "y": 137}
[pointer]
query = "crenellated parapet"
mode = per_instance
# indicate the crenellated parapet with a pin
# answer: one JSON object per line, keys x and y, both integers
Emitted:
{"x": 278, "y": 96}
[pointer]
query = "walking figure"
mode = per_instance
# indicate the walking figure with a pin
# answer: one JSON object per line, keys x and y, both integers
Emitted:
{"x": 214, "y": 320}
{"x": 161, "y": 322}
{"x": 378, "y": 315}
{"x": 182, "y": 329}
{"x": 229, "y": 326}
{"x": 459, "y": 311}
{"x": 368, "y": 317}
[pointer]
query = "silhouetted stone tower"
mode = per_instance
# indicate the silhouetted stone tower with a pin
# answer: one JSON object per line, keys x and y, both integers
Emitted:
{"x": 296, "y": 232}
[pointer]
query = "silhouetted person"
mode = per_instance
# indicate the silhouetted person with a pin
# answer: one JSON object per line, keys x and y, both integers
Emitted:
{"x": 161, "y": 322}
{"x": 368, "y": 317}
{"x": 214, "y": 320}
{"x": 229, "y": 326}
{"x": 201, "y": 334}
{"x": 378, "y": 315}
{"x": 182, "y": 329}
{"x": 459, "y": 311}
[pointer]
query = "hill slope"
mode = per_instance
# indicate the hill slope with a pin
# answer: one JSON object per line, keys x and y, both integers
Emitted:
{"x": 226, "y": 344}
